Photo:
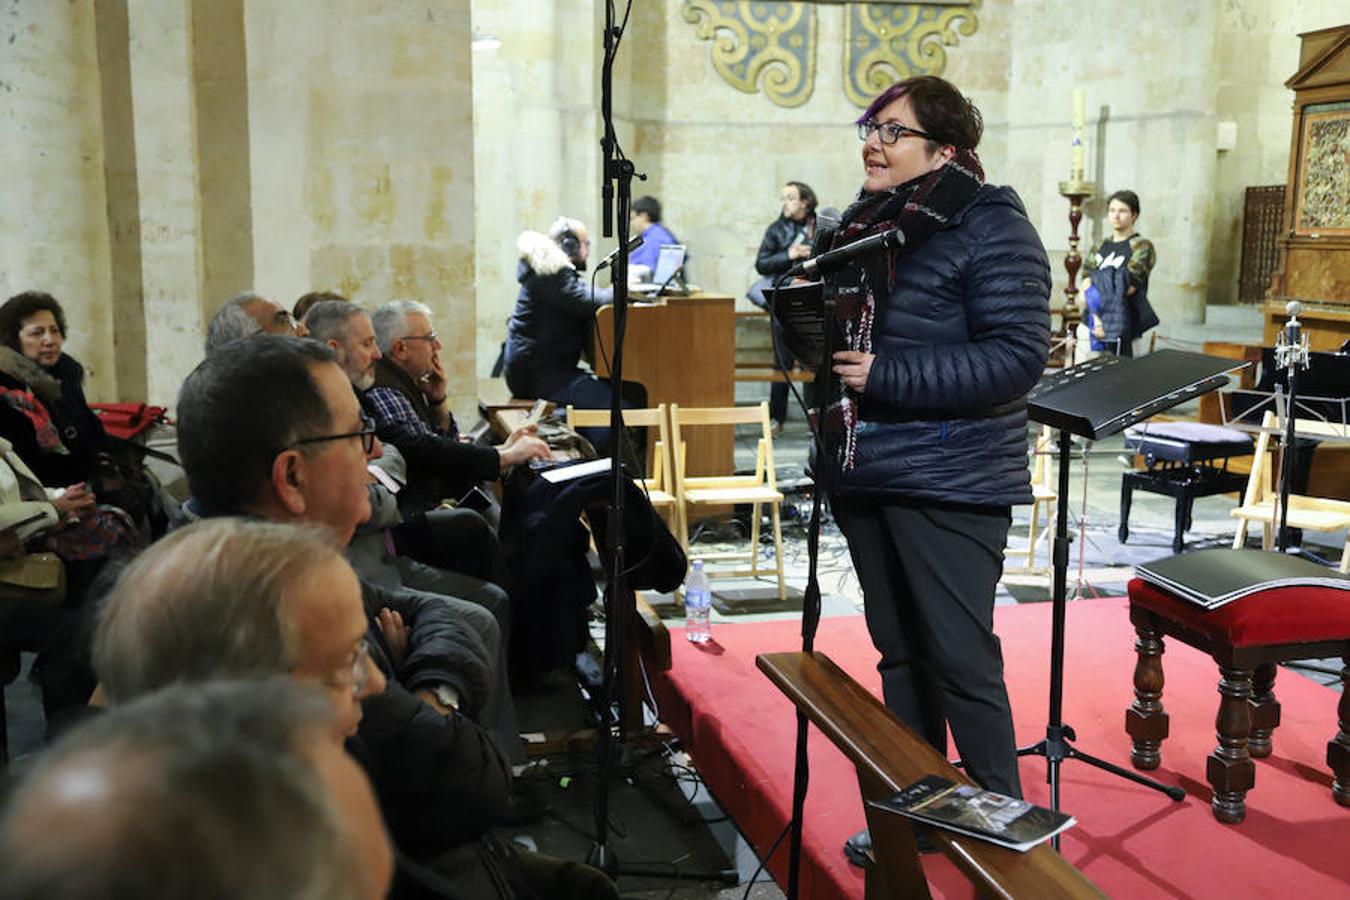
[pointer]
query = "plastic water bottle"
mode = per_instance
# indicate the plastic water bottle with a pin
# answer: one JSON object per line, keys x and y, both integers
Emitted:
{"x": 697, "y": 604}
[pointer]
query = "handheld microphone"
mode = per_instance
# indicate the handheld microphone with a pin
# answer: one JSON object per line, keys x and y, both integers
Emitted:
{"x": 827, "y": 225}
{"x": 835, "y": 259}
{"x": 609, "y": 257}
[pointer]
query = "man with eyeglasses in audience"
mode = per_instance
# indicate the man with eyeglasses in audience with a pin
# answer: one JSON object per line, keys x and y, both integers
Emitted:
{"x": 269, "y": 427}
{"x": 408, "y": 403}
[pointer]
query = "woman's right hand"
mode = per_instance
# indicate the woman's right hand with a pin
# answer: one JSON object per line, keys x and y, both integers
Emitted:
{"x": 77, "y": 499}
{"x": 799, "y": 251}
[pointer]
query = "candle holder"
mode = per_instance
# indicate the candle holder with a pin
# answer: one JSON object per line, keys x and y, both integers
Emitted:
{"x": 1076, "y": 190}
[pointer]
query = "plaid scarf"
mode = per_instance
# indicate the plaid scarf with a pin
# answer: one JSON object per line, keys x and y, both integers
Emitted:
{"x": 44, "y": 429}
{"x": 920, "y": 208}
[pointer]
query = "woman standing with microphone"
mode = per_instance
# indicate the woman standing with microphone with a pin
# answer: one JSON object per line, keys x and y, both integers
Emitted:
{"x": 944, "y": 337}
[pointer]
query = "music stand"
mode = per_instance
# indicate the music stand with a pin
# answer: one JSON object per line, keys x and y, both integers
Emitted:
{"x": 1094, "y": 400}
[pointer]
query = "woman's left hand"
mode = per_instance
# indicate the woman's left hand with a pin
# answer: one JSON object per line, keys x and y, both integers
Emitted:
{"x": 853, "y": 367}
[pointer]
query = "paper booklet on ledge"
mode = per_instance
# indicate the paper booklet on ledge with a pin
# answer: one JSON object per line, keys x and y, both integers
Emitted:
{"x": 969, "y": 810}
{"x": 1211, "y": 578}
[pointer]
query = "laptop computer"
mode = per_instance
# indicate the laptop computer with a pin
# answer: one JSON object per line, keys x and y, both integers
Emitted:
{"x": 666, "y": 275}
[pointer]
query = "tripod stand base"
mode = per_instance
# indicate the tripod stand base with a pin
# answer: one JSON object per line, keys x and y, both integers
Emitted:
{"x": 1057, "y": 747}
{"x": 1069, "y": 751}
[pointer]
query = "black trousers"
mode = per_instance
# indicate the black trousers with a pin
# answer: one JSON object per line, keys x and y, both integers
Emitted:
{"x": 928, "y": 576}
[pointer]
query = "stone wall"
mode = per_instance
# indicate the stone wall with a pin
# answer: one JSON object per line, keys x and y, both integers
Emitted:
{"x": 52, "y": 207}
{"x": 166, "y": 154}
{"x": 1261, "y": 48}
{"x": 361, "y": 142}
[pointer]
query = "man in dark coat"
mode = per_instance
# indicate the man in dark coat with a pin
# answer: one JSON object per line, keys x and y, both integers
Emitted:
{"x": 552, "y": 324}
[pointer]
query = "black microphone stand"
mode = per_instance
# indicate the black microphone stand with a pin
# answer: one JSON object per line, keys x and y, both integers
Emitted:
{"x": 1291, "y": 354}
{"x": 620, "y": 614}
{"x": 617, "y": 170}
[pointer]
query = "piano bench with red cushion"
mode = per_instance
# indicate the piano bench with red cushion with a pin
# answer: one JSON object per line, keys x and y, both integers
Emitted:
{"x": 1247, "y": 639}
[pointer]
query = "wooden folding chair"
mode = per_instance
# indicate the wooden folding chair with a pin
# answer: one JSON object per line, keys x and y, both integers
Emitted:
{"x": 758, "y": 489}
{"x": 1260, "y": 502}
{"x": 1043, "y": 494}
{"x": 658, "y": 484}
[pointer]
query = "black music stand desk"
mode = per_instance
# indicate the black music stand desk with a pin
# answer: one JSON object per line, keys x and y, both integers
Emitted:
{"x": 1094, "y": 400}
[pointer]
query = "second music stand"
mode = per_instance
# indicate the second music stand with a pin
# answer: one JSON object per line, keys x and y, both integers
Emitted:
{"x": 1094, "y": 400}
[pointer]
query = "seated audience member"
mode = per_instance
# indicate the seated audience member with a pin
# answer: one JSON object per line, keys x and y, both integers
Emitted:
{"x": 645, "y": 217}
{"x": 552, "y": 322}
{"x": 244, "y": 316}
{"x": 409, "y": 406}
{"x": 453, "y": 541}
{"x": 50, "y": 426}
{"x": 232, "y": 597}
{"x": 272, "y": 429}
{"x": 44, "y": 413}
{"x": 307, "y": 302}
{"x": 34, "y": 584}
{"x": 205, "y": 792}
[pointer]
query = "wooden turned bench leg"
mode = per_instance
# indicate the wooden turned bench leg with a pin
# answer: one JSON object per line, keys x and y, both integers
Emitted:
{"x": 1338, "y": 748}
{"x": 1230, "y": 770}
{"x": 1146, "y": 721}
{"x": 1265, "y": 711}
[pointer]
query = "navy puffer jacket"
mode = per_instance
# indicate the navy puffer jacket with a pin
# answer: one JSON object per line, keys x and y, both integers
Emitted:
{"x": 962, "y": 338}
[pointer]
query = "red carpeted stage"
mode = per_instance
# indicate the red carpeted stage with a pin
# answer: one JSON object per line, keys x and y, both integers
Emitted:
{"x": 1131, "y": 841}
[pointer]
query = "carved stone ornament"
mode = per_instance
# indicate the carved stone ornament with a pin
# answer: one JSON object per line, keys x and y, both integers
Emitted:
{"x": 760, "y": 45}
{"x": 884, "y": 43}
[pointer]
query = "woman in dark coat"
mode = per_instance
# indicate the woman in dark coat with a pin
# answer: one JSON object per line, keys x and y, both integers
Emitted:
{"x": 44, "y": 415}
{"x": 43, "y": 412}
{"x": 928, "y": 433}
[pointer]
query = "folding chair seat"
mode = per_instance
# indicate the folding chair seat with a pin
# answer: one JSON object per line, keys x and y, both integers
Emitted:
{"x": 1260, "y": 502}
{"x": 757, "y": 489}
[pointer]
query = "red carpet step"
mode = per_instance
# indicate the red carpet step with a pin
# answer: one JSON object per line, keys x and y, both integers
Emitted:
{"x": 1131, "y": 841}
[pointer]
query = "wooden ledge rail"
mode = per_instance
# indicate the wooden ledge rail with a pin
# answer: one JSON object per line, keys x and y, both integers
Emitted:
{"x": 889, "y": 756}
{"x": 750, "y": 372}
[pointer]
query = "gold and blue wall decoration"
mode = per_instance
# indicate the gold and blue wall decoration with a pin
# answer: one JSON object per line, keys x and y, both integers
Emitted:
{"x": 771, "y": 46}
{"x": 885, "y": 42}
{"x": 754, "y": 43}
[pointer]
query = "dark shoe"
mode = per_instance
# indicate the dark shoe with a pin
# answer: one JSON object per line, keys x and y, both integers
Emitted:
{"x": 858, "y": 848}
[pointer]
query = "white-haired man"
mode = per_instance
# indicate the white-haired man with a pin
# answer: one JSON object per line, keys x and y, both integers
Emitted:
{"x": 408, "y": 404}
{"x": 552, "y": 322}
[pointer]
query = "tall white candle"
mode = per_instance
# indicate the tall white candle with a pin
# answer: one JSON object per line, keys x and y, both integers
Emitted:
{"x": 1076, "y": 171}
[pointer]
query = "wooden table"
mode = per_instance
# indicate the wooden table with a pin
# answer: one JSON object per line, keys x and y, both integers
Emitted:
{"x": 683, "y": 350}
